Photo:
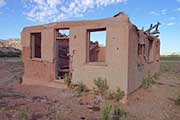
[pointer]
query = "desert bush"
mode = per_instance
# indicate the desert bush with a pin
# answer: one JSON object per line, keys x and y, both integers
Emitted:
{"x": 106, "y": 112}
{"x": 150, "y": 80}
{"x": 67, "y": 80}
{"x": 58, "y": 116}
{"x": 10, "y": 54}
{"x": 119, "y": 94}
{"x": 80, "y": 88}
{"x": 156, "y": 75}
{"x": 170, "y": 57}
{"x": 23, "y": 115}
{"x": 95, "y": 92}
{"x": 177, "y": 100}
{"x": 109, "y": 95}
{"x": 2, "y": 54}
{"x": 110, "y": 112}
{"x": 101, "y": 85}
{"x": 118, "y": 113}
{"x": 147, "y": 82}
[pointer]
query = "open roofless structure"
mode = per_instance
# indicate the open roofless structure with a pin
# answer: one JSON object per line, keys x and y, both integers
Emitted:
{"x": 124, "y": 56}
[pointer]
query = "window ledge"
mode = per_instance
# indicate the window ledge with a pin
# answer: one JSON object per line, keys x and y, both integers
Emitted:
{"x": 97, "y": 64}
{"x": 36, "y": 59}
{"x": 151, "y": 61}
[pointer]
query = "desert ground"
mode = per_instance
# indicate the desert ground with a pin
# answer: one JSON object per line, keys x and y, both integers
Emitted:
{"x": 45, "y": 103}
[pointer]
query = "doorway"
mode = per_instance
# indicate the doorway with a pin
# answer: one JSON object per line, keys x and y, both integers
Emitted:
{"x": 62, "y": 53}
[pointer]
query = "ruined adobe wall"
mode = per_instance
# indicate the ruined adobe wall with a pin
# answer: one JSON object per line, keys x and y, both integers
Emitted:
{"x": 136, "y": 71}
{"x": 115, "y": 68}
{"x": 153, "y": 66}
{"x": 102, "y": 52}
{"x": 38, "y": 70}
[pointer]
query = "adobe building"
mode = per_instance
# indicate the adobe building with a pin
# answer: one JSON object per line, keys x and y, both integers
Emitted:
{"x": 126, "y": 56}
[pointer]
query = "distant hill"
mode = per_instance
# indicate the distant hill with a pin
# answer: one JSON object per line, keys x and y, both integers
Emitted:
{"x": 10, "y": 48}
{"x": 170, "y": 53}
{"x": 14, "y": 43}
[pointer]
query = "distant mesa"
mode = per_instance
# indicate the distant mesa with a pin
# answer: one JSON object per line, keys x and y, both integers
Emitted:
{"x": 15, "y": 43}
{"x": 171, "y": 53}
{"x": 10, "y": 48}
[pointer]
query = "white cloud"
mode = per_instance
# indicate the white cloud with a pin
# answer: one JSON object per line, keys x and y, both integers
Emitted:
{"x": 178, "y": 9}
{"x": 153, "y": 13}
{"x": 161, "y": 12}
{"x": 164, "y": 12}
{"x": 2, "y": 3}
{"x": 55, "y": 10}
{"x": 171, "y": 24}
{"x": 178, "y": 0}
{"x": 172, "y": 18}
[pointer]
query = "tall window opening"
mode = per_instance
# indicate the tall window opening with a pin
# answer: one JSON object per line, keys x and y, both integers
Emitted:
{"x": 157, "y": 50}
{"x": 141, "y": 53}
{"x": 36, "y": 45}
{"x": 150, "y": 51}
{"x": 96, "y": 45}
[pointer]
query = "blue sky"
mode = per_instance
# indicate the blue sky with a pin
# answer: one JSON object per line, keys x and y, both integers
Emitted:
{"x": 16, "y": 14}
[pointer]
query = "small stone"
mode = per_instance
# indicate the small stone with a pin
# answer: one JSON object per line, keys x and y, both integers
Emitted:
{"x": 98, "y": 100}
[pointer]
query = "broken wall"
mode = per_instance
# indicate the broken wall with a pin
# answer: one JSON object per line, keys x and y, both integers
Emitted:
{"x": 138, "y": 71}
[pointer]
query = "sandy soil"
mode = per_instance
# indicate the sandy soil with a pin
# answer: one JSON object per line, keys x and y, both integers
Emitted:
{"x": 42, "y": 103}
{"x": 157, "y": 102}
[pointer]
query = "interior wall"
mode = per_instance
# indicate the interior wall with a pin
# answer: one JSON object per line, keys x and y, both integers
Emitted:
{"x": 101, "y": 54}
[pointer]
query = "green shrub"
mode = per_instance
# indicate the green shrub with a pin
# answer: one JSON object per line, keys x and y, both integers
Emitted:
{"x": 106, "y": 112}
{"x": 109, "y": 95}
{"x": 80, "y": 88}
{"x": 118, "y": 112}
{"x": 170, "y": 57}
{"x": 156, "y": 75}
{"x": 10, "y": 54}
{"x": 58, "y": 116}
{"x": 95, "y": 92}
{"x": 2, "y": 54}
{"x": 177, "y": 100}
{"x": 67, "y": 80}
{"x": 147, "y": 82}
{"x": 119, "y": 94}
{"x": 23, "y": 115}
{"x": 101, "y": 85}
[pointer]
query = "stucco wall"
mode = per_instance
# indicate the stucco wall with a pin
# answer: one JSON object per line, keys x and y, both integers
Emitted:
{"x": 47, "y": 49}
{"x": 120, "y": 67}
{"x": 153, "y": 66}
{"x": 38, "y": 69}
{"x": 116, "y": 60}
{"x": 136, "y": 73}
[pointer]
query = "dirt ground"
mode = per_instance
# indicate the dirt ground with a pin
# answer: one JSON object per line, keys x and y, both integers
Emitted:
{"x": 42, "y": 103}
